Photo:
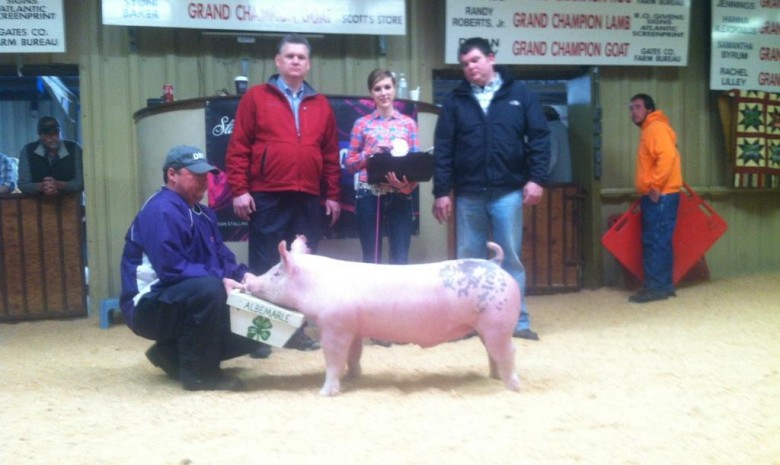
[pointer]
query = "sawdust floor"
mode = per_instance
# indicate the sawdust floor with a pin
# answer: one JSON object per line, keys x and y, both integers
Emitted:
{"x": 692, "y": 380}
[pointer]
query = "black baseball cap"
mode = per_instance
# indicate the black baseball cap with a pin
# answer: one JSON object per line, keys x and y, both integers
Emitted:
{"x": 48, "y": 125}
{"x": 192, "y": 158}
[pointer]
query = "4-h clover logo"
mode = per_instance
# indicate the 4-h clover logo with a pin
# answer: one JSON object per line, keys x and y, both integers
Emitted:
{"x": 260, "y": 329}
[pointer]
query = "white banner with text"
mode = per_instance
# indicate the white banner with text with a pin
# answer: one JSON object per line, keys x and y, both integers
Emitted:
{"x": 31, "y": 26}
{"x": 379, "y": 17}
{"x": 745, "y": 45}
{"x": 574, "y": 32}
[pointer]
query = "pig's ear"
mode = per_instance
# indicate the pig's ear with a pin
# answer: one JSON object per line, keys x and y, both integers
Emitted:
{"x": 299, "y": 245}
{"x": 285, "y": 256}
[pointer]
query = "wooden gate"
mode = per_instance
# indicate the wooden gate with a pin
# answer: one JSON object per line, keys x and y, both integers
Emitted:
{"x": 41, "y": 257}
{"x": 552, "y": 241}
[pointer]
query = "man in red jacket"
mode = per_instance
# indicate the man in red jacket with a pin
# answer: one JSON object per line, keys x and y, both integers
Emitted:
{"x": 282, "y": 160}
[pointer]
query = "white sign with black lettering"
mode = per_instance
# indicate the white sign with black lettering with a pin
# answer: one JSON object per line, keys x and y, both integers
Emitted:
{"x": 380, "y": 17}
{"x": 572, "y": 32}
{"x": 31, "y": 26}
{"x": 745, "y": 45}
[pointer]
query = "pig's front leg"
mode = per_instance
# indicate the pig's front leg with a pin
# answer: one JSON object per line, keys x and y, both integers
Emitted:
{"x": 336, "y": 347}
{"x": 332, "y": 386}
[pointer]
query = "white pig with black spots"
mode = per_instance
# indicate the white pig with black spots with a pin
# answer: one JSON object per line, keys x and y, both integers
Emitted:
{"x": 423, "y": 304}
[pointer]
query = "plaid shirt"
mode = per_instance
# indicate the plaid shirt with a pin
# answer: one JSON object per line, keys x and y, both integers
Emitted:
{"x": 9, "y": 171}
{"x": 371, "y": 133}
{"x": 485, "y": 94}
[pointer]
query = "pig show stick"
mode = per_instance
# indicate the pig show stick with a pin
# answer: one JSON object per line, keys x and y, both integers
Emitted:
{"x": 376, "y": 229}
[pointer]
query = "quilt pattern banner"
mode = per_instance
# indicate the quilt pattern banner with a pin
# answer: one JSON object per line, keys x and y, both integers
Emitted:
{"x": 751, "y": 125}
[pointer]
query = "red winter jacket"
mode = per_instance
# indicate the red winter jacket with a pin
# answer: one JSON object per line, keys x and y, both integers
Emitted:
{"x": 266, "y": 154}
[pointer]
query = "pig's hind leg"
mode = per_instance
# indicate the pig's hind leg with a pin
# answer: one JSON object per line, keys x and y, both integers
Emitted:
{"x": 353, "y": 359}
{"x": 501, "y": 356}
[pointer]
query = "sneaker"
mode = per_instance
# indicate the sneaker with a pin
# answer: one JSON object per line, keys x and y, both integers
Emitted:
{"x": 166, "y": 362}
{"x": 525, "y": 334}
{"x": 648, "y": 296}
{"x": 263, "y": 351}
{"x": 301, "y": 341}
{"x": 215, "y": 382}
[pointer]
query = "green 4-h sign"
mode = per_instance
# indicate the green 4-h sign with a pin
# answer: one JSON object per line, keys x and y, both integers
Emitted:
{"x": 260, "y": 329}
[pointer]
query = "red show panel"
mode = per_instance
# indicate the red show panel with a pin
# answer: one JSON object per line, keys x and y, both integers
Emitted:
{"x": 698, "y": 228}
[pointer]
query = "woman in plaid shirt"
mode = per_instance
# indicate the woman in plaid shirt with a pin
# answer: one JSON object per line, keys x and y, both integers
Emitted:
{"x": 387, "y": 205}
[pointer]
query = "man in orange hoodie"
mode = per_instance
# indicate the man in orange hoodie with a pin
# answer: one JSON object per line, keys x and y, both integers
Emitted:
{"x": 658, "y": 181}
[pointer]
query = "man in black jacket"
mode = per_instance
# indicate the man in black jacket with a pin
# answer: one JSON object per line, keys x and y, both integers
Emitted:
{"x": 50, "y": 165}
{"x": 492, "y": 149}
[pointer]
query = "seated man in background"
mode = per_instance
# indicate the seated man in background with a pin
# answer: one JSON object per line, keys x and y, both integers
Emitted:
{"x": 176, "y": 273}
{"x": 50, "y": 165}
{"x": 8, "y": 174}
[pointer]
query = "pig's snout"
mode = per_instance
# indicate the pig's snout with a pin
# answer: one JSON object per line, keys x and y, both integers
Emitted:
{"x": 254, "y": 285}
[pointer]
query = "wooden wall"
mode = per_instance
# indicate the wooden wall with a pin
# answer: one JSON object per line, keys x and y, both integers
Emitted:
{"x": 121, "y": 67}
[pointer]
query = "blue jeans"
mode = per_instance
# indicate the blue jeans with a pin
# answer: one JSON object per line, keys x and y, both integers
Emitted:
{"x": 658, "y": 222}
{"x": 376, "y": 214}
{"x": 499, "y": 212}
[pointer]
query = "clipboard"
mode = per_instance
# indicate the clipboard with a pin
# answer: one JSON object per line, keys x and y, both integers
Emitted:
{"x": 416, "y": 166}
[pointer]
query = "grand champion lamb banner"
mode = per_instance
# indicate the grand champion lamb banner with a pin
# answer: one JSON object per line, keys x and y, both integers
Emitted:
{"x": 574, "y": 32}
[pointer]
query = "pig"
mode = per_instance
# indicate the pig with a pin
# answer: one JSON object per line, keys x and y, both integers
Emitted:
{"x": 425, "y": 304}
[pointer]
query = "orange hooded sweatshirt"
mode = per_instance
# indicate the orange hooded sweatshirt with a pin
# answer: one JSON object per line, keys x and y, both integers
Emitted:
{"x": 658, "y": 160}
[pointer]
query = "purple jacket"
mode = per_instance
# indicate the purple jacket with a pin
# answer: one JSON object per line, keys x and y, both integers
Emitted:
{"x": 169, "y": 242}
